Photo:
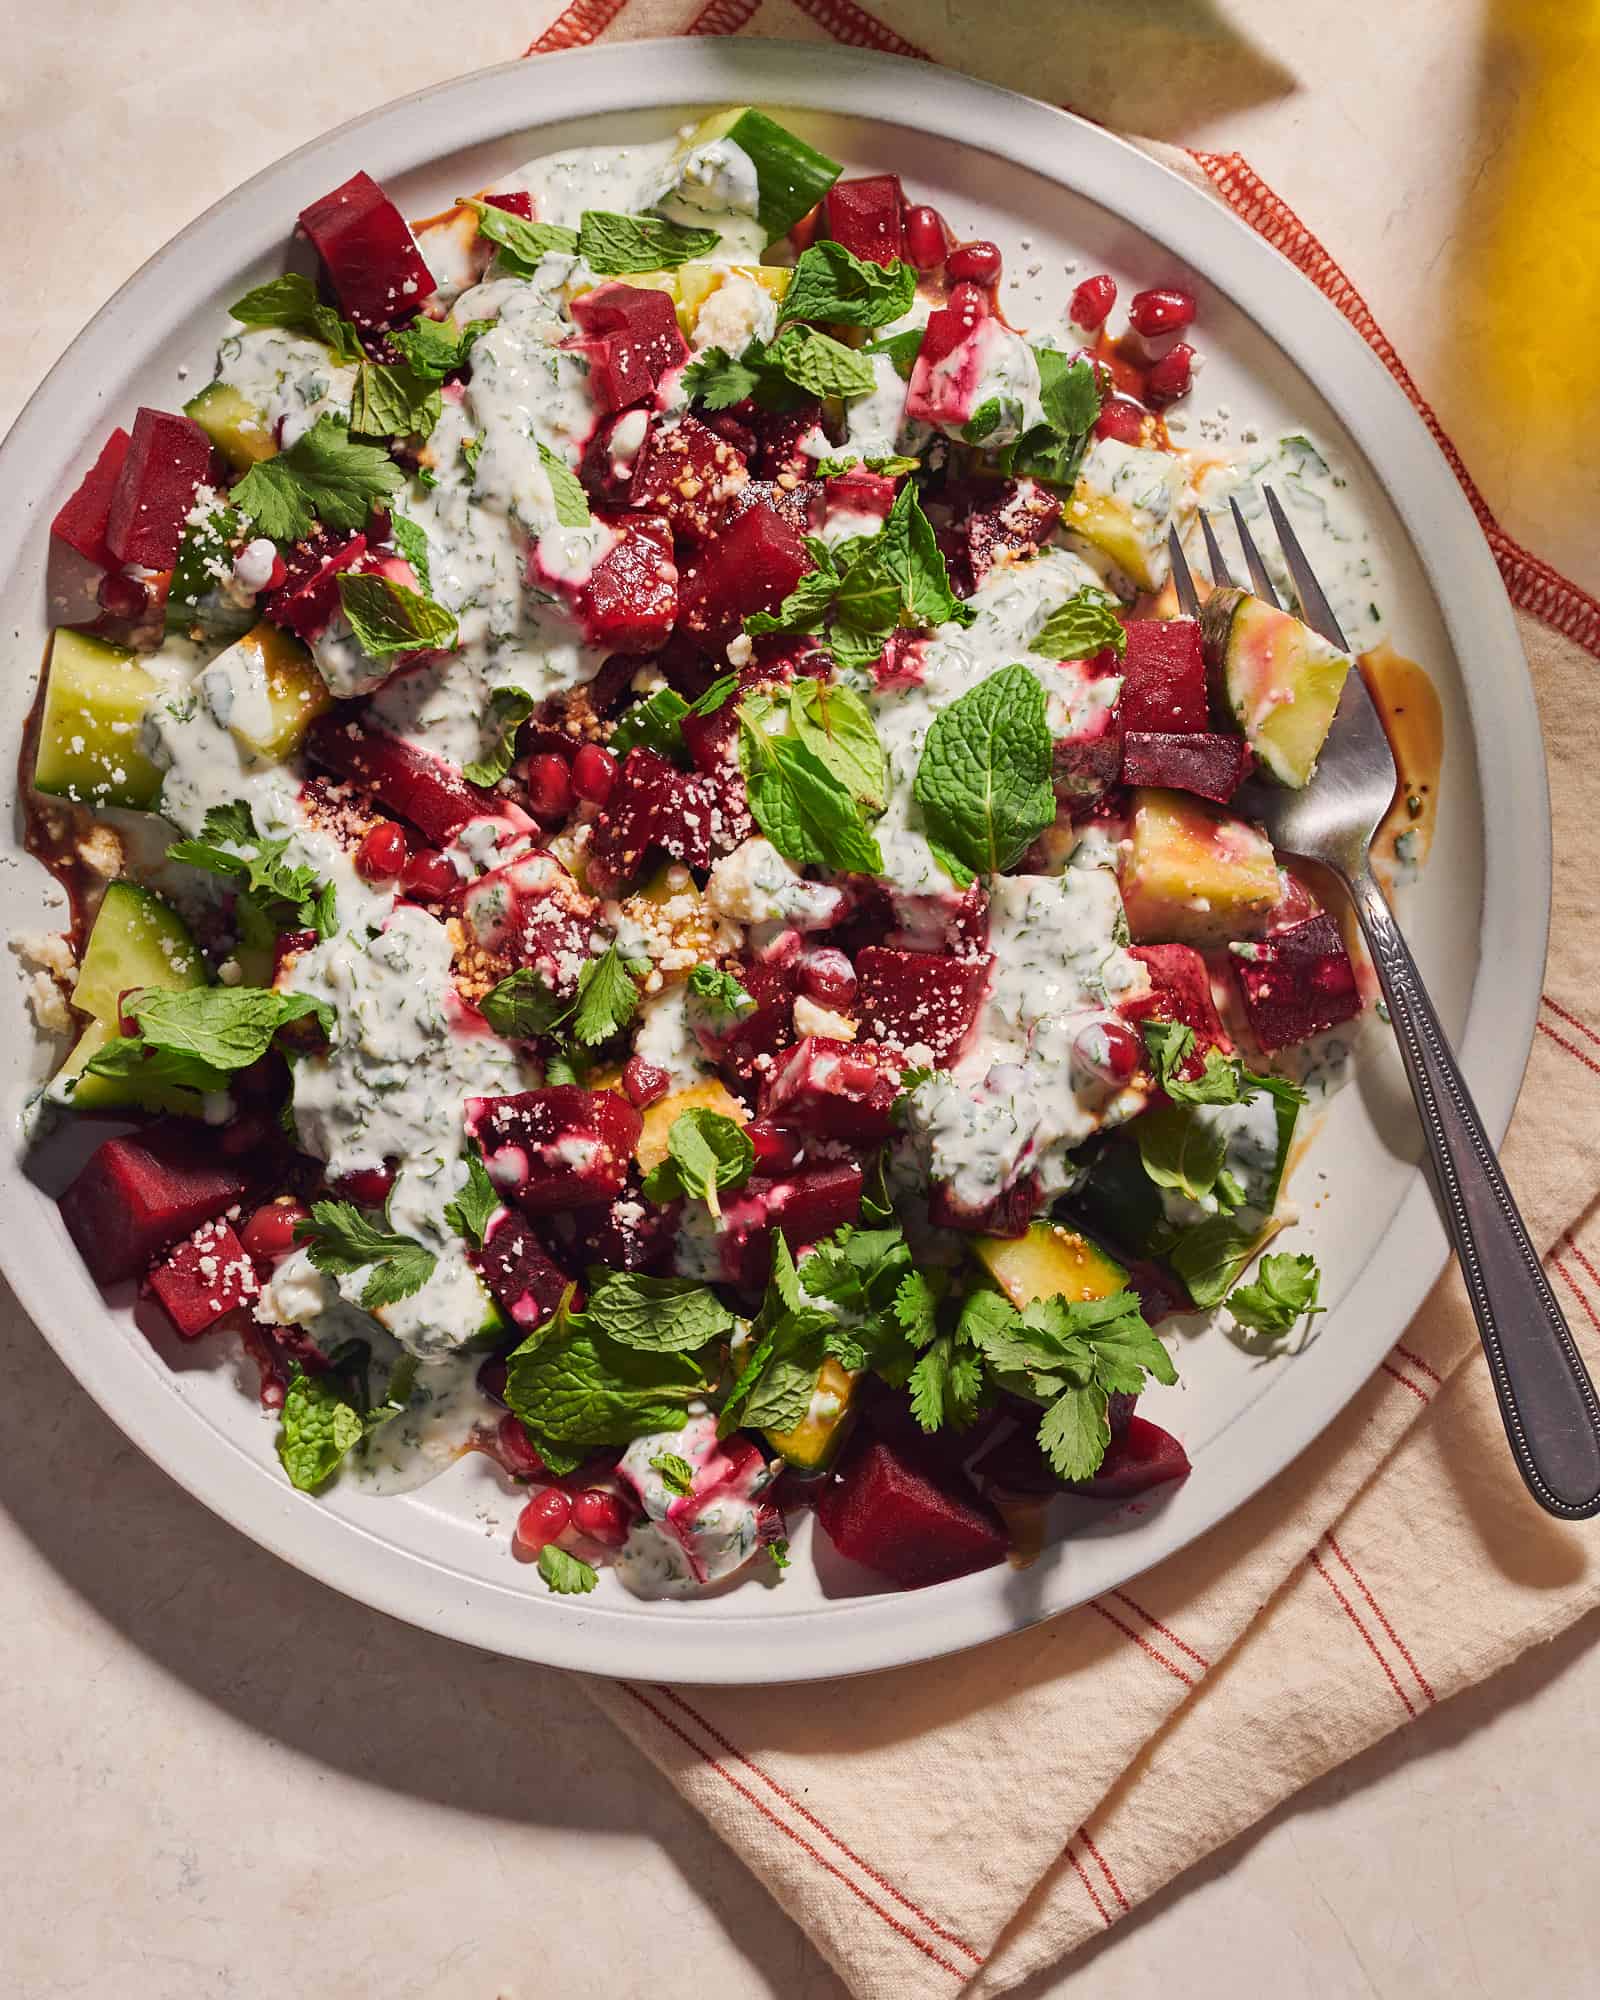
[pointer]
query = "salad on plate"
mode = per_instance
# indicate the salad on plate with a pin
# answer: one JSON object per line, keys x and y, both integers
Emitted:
{"x": 656, "y": 887}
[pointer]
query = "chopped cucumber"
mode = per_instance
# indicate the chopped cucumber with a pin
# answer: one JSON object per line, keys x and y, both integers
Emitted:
{"x": 1050, "y": 1261}
{"x": 295, "y": 693}
{"x": 234, "y": 425}
{"x": 94, "y": 703}
{"x": 137, "y": 940}
{"x": 813, "y": 1444}
{"x": 1192, "y": 873}
{"x": 791, "y": 176}
{"x": 1278, "y": 680}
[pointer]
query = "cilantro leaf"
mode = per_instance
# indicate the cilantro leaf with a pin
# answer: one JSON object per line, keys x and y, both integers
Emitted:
{"x": 392, "y": 400}
{"x": 509, "y": 708}
{"x": 522, "y": 245}
{"x": 717, "y": 381}
{"x": 523, "y": 1007}
{"x": 800, "y": 805}
{"x": 340, "y": 1240}
{"x": 608, "y": 999}
{"x": 983, "y": 782}
{"x": 291, "y": 302}
{"x": 1085, "y": 625}
{"x": 324, "y": 475}
{"x": 655, "y": 1315}
{"x": 411, "y": 539}
{"x": 675, "y": 1473}
{"x": 566, "y": 1574}
{"x": 571, "y": 502}
{"x": 654, "y": 722}
{"x": 836, "y": 724}
{"x": 721, "y": 995}
{"x": 1075, "y": 1431}
{"x": 705, "y": 1152}
{"x": 230, "y": 845}
{"x": 472, "y": 1210}
{"x": 388, "y": 618}
{"x": 779, "y": 1552}
{"x": 1284, "y": 1291}
{"x": 833, "y": 285}
{"x": 1224, "y": 1079}
{"x": 616, "y": 245}
{"x": 435, "y": 348}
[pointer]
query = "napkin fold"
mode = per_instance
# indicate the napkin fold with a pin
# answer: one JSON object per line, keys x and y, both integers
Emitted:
{"x": 957, "y": 1826}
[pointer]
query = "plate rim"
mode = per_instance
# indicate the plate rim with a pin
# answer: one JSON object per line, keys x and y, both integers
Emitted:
{"x": 877, "y": 1632}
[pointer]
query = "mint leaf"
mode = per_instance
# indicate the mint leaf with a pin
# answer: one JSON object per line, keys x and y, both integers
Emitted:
{"x": 615, "y": 245}
{"x": 902, "y": 565}
{"x": 998, "y": 413}
{"x": 655, "y": 1315}
{"x": 1180, "y": 1151}
{"x": 705, "y": 1152}
{"x": 1085, "y": 625}
{"x": 833, "y": 285}
{"x": 804, "y": 609}
{"x": 902, "y": 349}
{"x": 323, "y": 476}
{"x": 230, "y": 845}
{"x": 775, "y": 1385}
{"x": 886, "y": 468}
{"x": 291, "y": 302}
{"x": 820, "y": 365}
{"x": 1069, "y": 393}
{"x": 340, "y": 1240}
{"x": 522, "y": 1007}
{"x": 607, "y": 1001}
{"x": 392, "y": 400}
{"x": 522, "y": 245}
{"x": 475, "y": 1207}
{"x": 723, "y": 998}
{"x": 801, "y": 807}
{"x": 983, "y": 782}
{"x": 509, "y": 708}
{"x": 1284, "y": 1292}
{"x": 654, "y": 722}
{"x": 317, "y": 1428}
{"x": 411, "y": 539}
{"x": 572, "y": 1385}
{"x": 199, "y": 1039}
{"x": 717, "y": 381}
{"x": 571, "y": 502}
{"x": 675, "y": 1473}
{"x": 836, "y": 725}
{"x": 566, "y": 1574}
{"x": 435, "y": 348}
{"x": 387, "y": 618}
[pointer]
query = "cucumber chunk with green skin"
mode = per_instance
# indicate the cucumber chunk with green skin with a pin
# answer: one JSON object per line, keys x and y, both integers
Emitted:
{"x": 234, "y": 425}
{"x": 812, "y": 1445}
{"x": 94, "y": 703}
{"x": 791, "y": 177}
{"x": 1050, "y": 1261}
{"x": 1275, "y": 679}
{"x": 137, "y": 940}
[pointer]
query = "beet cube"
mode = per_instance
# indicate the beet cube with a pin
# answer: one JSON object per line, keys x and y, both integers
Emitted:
{"x": 1019, "y": 522}
{"x": 834, "y": 1090}
{"x": 307, "y": 600}
{"x": 690, "y": 475}
{"x": 1180, "y": 990}
{"x": 806, "y": 1206}
{"x": 136, "y": 1195}
{"x": 371, "y": 258}
{"x": 627, "y": 1234}
{"x": 521, "y": 1275}
{"x": 1297, "y": 983}
{"x": 752, "y": 566}
{"x": 1087, "y": 763}
{"x": 1008, "y": 1214}
{"x": 207, "y": 1275}
{"x": 916, "y": 997}
{"x": 81, "y": 520}
{"x": 1164, "y": 676}
{"x": 893, "y": 1515}
{"x": 556, "y": 1148}
{"x": 629, "y": 602}
{"x": 652, "y": 805}
{"x": 748, "y": 1048}
{"x": 1190, "y": 761}
{"x": 864, "y": 215}
{"x": 415, "y": 786}
{"x": 1137, "y": 1458}
{"x": 532, "y": 913}
{"x": 167, "y": 458}
{"x": 637, "y": 319}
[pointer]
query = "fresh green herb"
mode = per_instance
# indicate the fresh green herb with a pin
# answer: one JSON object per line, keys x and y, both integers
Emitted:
{"x": 1224, "y": 1079}
{"x": 617, "y": 245}
{"x": 411, "y": 539}
{"x": 902, "y": 349}
{"x": 836, "y": 725}
{"x": 800, "y": 805}
{"x": 1181, "y": 1151}
{"x": 705, "y": 1153}
{"x": 1069, "y": 393}
{"x": 608, "y": 999}
{"x": 983, "y": 782}
{"x": 655, "y": 1315}
{"x": 566, "y": 1574}
{"x": 318, "y": 1426}
{"x": 775, "y": 1384}
{"x": 472, "y": 1210}
{"x": 523, "y": 1007}
{"x": 341, "y": 1240}
{"x": 779, "y": 1552}
{"x": 230, "y": 845}
{"x": 471, "y": 452}
{"x": 1284, "y": 1292}
{"x": 835, "y": 287}
{"x": 1085, "y": 625}
{"x": 676, "y": 1474}
{"x": 509, "y": 708}
{"x": 571, "y": 502}
{"x": 392, "y": 400}
{"x": 722, "y": 996}
{"x": 388, "y": 618}
{"x": 323, "y": 476}
{"x": 819, "y": 364}
{"x": 522, "y": 245}
{"x": 654, "y": 722}
{"x": 998, "y": 413}
{"x": 435, "y": 348}
{"x": 291, "y": 302}
{"x": 204, "y": 561}
{"x": 716, "y": 380}
{"x": 886, "y": 468}
{"x": 201, "y": 1038}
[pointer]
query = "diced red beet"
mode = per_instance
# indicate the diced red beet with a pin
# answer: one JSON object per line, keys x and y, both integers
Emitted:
{"x": 519, "y": 202}
{"x": 619, "y": 375}
{"x": 1142, "y": 1456}
{"x": 1086, "y": 763}
{"x": 864, "y": 215}
{"x": 752, "y": 566}
{"x": 1195, "y": 760}
{"x": 423, "y": 789}
{"x": 636, "y": 318}
{"x": 919, "y": 997}
{"x": 524, "y": 1279}
{"x": 749, "y": 1047}
{"x": 167, "y": 458}
{"x": 309, "y": 596}
{"x": 834, "y": 1090}
{"x": 630, "y": 601}
{"x": 627, "y": 1234}
{"x": 1297, "y": 983}
{"x": 532, "y": 913}
{"x": 205, "y": 1276}
{"x": 136, "y": 1195}
{"x": 1007, "y": 1215}
{"x": 806, "y": 1206}
{"x": 370, "y": 255}
{"x": 1164, "y": 676}
{"x": 652, "y": 805}
{"x": 81, "y": 520}
{"x": 890, "y": 1514}
{"x": 556, "y": 1148}
{"x": 688, "y": 474}
{"x": 1016, "y": 523}
{"x": 1180, "y": 990}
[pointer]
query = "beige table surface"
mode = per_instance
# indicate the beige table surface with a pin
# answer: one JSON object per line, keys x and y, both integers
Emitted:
{"x": 221, "y": 1779}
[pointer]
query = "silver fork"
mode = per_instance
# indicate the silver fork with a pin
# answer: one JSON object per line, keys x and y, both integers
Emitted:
{"x": 1546, "y": 1399}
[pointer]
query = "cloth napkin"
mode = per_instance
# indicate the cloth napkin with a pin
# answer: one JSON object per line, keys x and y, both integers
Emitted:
{"x": 957, "y": 1826}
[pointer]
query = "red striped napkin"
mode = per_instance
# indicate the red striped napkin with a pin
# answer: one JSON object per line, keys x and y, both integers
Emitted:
{"x": 955, "y": 1827}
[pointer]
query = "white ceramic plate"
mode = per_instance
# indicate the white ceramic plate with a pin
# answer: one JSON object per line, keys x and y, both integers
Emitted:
{"x": 999, "y": 166}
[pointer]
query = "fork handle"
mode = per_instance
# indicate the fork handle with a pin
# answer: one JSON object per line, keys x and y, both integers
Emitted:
{"x": 1547, "y": 1401}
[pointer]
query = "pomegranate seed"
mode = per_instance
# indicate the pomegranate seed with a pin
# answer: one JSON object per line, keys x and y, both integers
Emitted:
{"x": 971, "y": 301}
{"x": 123, "y": 596}
{"x": 544, "y": 1518}
{"x": 1172, "y": 376}
{"x": 428, "y": 875}
{"x": 926, "y": 238}
{"x": 594, "y": 772}
{"x": 549, "y": 786}
{"x": 279, "y": 575}
{"x": 269, "y": 1234}
{"x": 601, "y": 1516}
{"x": 777, "y": 1149}
{"x": 367, "y": 1187}
{"x": 1121, "y": 419}
{"x": 1092, "y": 302}
{"x": 1160, "y": 311}
{"x": 1108, "y": 1051}
{"x": 517, "y": 1454}
{"x": 382, "y": 854}
{"x": 974, "y": 264}
{"x": 643, "y": 1083}
{"x": 828, "y": 977}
